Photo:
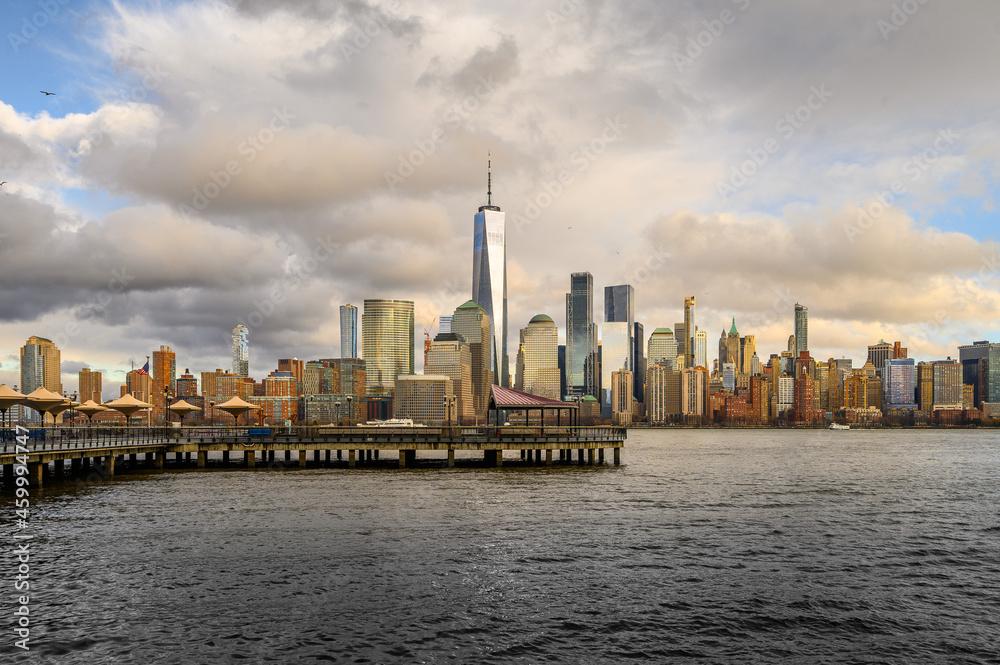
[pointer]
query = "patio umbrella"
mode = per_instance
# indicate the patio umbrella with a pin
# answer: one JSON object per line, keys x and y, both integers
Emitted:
{"x": 236, "y": 407}
{"x": 44, "y": 401}
{"x": 182, "y": 408}
{"x": 90, "y": 408}
{"x": 127, "y": 405}
{"x": 8, "y": 398}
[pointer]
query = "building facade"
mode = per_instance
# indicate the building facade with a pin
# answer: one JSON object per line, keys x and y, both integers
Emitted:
{"x": 386, "y": 343}
{"x": 581, "y": 336}
{"x": 348, "y": 331}
{"x": 489, "y": 279}
{"x": 538, "y": 358}
{"x": 241, "y": 350}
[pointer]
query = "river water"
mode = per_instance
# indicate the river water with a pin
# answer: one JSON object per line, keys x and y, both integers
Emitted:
{"x": 714, "y": 546}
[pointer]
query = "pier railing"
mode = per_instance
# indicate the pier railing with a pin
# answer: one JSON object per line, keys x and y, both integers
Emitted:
{"x": 68, "y": 438}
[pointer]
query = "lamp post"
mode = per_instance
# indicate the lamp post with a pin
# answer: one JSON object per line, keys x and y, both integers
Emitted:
{"x": 337, "y": 404}
{"x": 449, "y": 400}
{"x": 211, "y": 413}
{"x": 350, "y": 413}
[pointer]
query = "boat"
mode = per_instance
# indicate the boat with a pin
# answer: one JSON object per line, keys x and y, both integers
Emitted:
{"x": 839, "y": 426}
{"x": 392, "y": 422}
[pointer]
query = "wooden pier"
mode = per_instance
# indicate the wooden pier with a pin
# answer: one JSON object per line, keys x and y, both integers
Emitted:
{"x": 94, "y": 452}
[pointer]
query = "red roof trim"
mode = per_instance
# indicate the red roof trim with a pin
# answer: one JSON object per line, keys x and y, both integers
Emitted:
{"x": 507, "y": 398}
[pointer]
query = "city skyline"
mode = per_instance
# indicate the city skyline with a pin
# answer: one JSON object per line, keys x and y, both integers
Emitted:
{"x": 147, "y": 203}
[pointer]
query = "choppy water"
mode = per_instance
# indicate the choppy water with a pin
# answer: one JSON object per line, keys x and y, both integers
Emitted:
{"x": 708, "y": 546}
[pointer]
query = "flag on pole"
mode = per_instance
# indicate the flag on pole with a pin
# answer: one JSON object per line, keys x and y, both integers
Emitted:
{"x": 144, "y": 369}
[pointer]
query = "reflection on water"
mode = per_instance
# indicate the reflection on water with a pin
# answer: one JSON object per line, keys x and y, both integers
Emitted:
{"x": 722, "y": 546}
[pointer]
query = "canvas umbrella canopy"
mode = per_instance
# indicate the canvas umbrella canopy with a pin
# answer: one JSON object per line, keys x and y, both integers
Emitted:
{"x": 182, "y": 408}
{"x": 90, "y": 407}
{"x": 236, "y": 407}
{"x": 127, "y": 405}
{"x": 44, "y": 401}
{"x": 8, "y": 398}
{"x": 59, "y": 408}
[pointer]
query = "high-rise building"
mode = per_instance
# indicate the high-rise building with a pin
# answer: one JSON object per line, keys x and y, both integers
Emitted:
{"x": 295, "y": 367}
{"x": 662, "y": 349}
{"x": 619, "y": 307}
{"x": 40, "y": 366}
{"x": 879, "y": 353}
{"x": 898, "y": 382}
{"x": 804, "y": 397}
{"x": 701, "y": 348}
{"x": 663, "y": 393}
{"x": 615, "y": 355}
{"x": 925, "y": 386}
{"x": 386, "y": 343}
{"x": 187, "y": 385}
{"x": 451, "y": 356}
{"x": 348, "y": 331}
{"x": 748, "y": 351}
{"x": 729, "y": 376}
{"x": 682, "y": 350}
{"x": 621, "y": 397}
{"x": 694, "y": 391}
{"x": 801, "y": 329}
{"x": 470, "y": 321}
{"x": 981, "y": 370}
{"x": 91, "y": 385}
{"x": 241, "y": 350}
{"x": 581, "y": 336}
{"x": 538, "y": 358}
{"x": 947, "y": 384}
{"x": 164, "y": 378}
{"x": 690, "y": 328}
{"x": 639, "y": 361}
{"x": 489, "y": 279}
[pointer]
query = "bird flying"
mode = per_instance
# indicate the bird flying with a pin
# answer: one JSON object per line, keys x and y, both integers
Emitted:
{"x": 46, "y": 93}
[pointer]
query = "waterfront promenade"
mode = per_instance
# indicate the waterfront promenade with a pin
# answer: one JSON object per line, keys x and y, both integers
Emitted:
{"x": 101, "y": 449}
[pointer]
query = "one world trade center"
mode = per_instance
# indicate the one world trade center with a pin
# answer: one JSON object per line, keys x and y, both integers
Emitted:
{"x": 489, "y": 278}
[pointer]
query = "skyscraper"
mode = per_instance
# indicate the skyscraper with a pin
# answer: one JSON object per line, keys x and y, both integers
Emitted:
{"x": 581, "y": 336}
{"x": 898, "y": 383}
{"x": 689, "y": 330}
{"x": 91, "y": 385}
{"x": 619, "y": 307}
{"x": 348, "y": 331}
{"x": 801, "y": 330}
{"x": 164, "y": 376}
{"x": 662, "y": 349}
{"x": 470, "y": 321}
{"x": 981, "y": 370}
{"x": 538, "y": 358}
{"x": 386, "y": 343}
{"x": 489, "y": 278}
{"x": 451, "y": 356}
{"x": 40, "y": 361}
{"x": 616, "y": 355}
{"x": 241, "y": 351}
{"x": 701, "y": 349}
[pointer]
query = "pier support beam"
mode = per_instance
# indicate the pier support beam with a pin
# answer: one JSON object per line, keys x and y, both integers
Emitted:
{"x": 316, "y": 454}
{"x": 350, "y": 459}
{"x": 590, "y": 457}
{"x": 600, "y": 455}
{"x": 618, "y": 456}
{"x": 75, "y": 466}
{"x": 149, "y": 459}
{"x": 340, "y": 455}
{"x": 548, "y": 457}
{"x": 493, "y": 458}
{"x": 451, "y": 458}
{"x": 35, "y": 470}
{"x": 328, "y": 456}
{"x": 109, "y": 466}
{"x": 225, "y": 457}
{"x": 202, "y": 459}
{"x": 402, "y": 459}
{"x": 179, "y": 457}
{"x": 161, "y": 459}
{"x": 250, "y": 457}
{"x": 59, "y": 466}
{"x": 579, "y": 457}
{"x": 134, "y": 459}
{"x": 288, "y": 455}
{"x": 302, "y": 459}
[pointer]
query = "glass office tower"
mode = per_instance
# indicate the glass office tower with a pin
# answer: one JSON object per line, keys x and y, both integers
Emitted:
{"x": 489, "y": 279}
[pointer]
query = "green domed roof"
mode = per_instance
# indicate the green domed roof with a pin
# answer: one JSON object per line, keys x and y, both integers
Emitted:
{"x": 589, "y": 398}
{"x": 469, "y": 305}
{"x": 663, "y": 331}
{"x": 541, "y": 318}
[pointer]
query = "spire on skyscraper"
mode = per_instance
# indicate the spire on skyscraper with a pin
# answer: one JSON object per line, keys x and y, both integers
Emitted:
{"x": 489, "y": 186}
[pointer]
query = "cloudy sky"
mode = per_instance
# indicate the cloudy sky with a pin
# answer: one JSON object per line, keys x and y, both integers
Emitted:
{"x": 204, "y": 161}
